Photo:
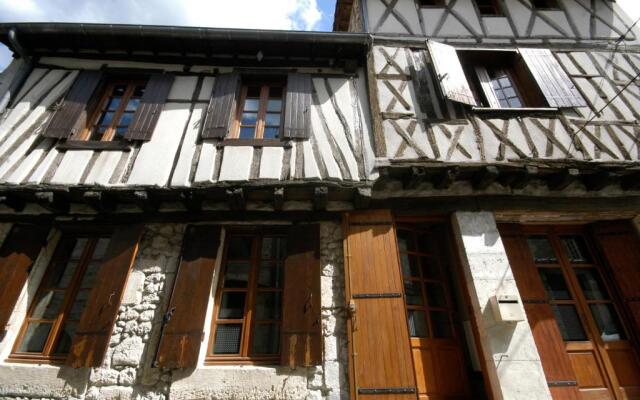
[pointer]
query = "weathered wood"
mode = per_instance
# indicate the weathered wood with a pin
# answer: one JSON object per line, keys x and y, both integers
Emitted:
{"x": 380, "y": 147}
{"x": 99, "y": 201}
{"x": 236, "y": 199}
{"x": 16, "y": 203}
{"x": 523, "y": 177}
{"x": 414, "y": 177}
{"x": 362, "y": 198}
{"x": 563, "y": 179}
{"x": 485, "y": 177}
{"x": 446, "y": 178}
{"x": 320, "y": 198}
{"x": 631, "y": 181}
{"x": 278, "y": 198}
{"x": 192, "y": 201}
{"x": 54, "y": 202}
{"x": 146, "y": 201}
{"x": 599, "y": 180}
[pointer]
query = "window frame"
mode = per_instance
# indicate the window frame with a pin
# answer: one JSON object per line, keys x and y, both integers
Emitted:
{"x": 265, "y": 85}
{"x": 554, "y": 7}
{"x": 248, "y": 320}
{"x": 436, "y": 4}
{"x": 104, "y": 92}
{"x": 497, "y": 9}
{"x": 48, "y": 355}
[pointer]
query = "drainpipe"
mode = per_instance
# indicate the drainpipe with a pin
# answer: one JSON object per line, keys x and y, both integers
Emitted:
{"x": 20, "y": 76}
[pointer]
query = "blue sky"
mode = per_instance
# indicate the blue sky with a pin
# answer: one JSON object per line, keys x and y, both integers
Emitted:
{"x": 258, "y": 14}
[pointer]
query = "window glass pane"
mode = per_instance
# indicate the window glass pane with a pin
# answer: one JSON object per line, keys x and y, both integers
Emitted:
{"x": 541, "y": 249}
{"x": 509, "y": 92}
{"x": 515, "y": 102}
{"x": 126, "y": 119}
{"x": 272, "y": 119}
{"x": 568, "y": 322}
{"x": 504, "y": 103}
{"x": 430, "y": 268}
{"x": 575, "y": 249}
{"x": 275, "y": 92}
{"x": 90, "y": 275}
{"x": 266, "y": 339}
{"x": 435, "y": 295}
{"x": 409, "y": 265}
{"x": 48, "y": 305}
{"x": 246, "y": 133}
{"x": 417, "y": 324}
{"x": 66, "y": 337}
{"x": 403, "y": 240}
{"x": 274, "y": 105}
{"x": 62, "y": 277}
{"x": 607, "y": 321}
{"x": 132, "y": 105}
{"x": 106, "y": 118}
{"x": 273, "y": 248}
{"x": 35, "y": 338}
{"x": 249, "y": 118}
{"x": 236, "y": 275}
{"x": 591, "y": 284}
{"x": 78, "y": 305}
{"x": 78, "y": 248}
{"x": 440, "y": 324}
{"x": 270, "y": 276}
{"x": 239, "y": 248}
{"x": 120, "y": 132}
{"x": 495, "y": 85}
{"x": 251, "y": 105}
{"x": 227, "y": 339}
{"x": 412, "y": 292}
{"x": 504, "y": 82}
{"x": 268, "y": 305}
{"x": 100, "y": 249}
{"x": 232, "y": 305}
{"x": 113, "y": 103}
{"x": 554, "y": 284}
{"x": 271, "y": 132}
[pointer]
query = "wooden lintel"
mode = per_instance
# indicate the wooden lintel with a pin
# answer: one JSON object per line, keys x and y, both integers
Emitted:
{"x": 485, "y": 177}
{"x": 278, "y": 198}
{"x": 599, "y": 180}
{"x": 236, "y": 199}
{"x": 192, "y": 201}
{"x": 52, "y": 201}
{"x": 563, "y": 179}
{"x": 99, "y": 201}
{"x": 145, "y": 201}
{"x": 16, "y": 203}
{"x": 631, "y": 181}
{"x": 362, "y": 198}
{"x": 414, "y": 177}
{"x": 320, "y": 198}
{"x": 522, "y": 177}
{"x": 445, "y": 179}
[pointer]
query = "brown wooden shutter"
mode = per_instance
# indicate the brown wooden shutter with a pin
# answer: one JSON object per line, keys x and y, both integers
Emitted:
{"x": 554, "y": 82}
{"x": 301, "y": 344}
{"x": 222, "y": 106}
{"x": 184, "y": 328}
{"x": 147, "y": 114}
{"x": 92, "y": 337}
{"x": 72, "y": 115}
{"x": 382, "y": 367}
{"x": 297, "y": 115}
{"x": 619, "y": 244}
{"x": 556, "y": 364}
{"x": 450, "y": 74}
{"x": 19, "y": 251}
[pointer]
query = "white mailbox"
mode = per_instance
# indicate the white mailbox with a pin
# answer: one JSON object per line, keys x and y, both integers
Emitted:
{"x": 506, "y": 308}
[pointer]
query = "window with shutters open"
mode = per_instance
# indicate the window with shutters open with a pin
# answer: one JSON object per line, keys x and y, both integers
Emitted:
{"x": 248, "y": 306}
{"x": 54, "y": 314}
{"x": 260, "y": 110}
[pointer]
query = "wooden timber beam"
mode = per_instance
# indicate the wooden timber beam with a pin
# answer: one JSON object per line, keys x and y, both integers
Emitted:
{"x": 414, "y": 177}
{"x": 362, "y": 198}
{"x": 16, "y": 203}
{"x": 485, "y": 177}
{"x": 446, "y": 178}
{"x": 631, "y": 181}
{"x": 563, "y": 179}
{"x": 320, "y": 198}
{"x": 278, "y": 198}
{"x": 599, "y": 180}
{"x": 54, "y": 202}
{"x": 146, "y": 201}
{"x": 99, "y": 201}
{"x": 192, "y": 201}
{"x": 236, "y": 199}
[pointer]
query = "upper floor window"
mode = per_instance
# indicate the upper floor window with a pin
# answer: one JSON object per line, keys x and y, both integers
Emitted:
{"x": 489, "y": 7}
{"x": 545, "y": 4}
{"x": 260, "y": 110}
{"x": 115, "y": 110}
{"x": 431, "y": 3}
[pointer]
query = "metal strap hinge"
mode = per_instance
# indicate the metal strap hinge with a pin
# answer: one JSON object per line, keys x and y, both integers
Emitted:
{"x": 398, "y": 390}
{"x": 561, "y": 383}
{"x": 376, "y": 295}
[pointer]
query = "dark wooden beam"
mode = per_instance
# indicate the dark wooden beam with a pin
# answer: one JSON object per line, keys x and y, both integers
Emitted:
{"x": 52, "y": 201}
{"x": 600, "y": 179}
{"x": 99, "y": 201}
{"x": 320, "y": 198}
{"x": 445, "y": 179}
{"x": 192, "y": 201}
{"x": 522, "y": 178}
{"x": 146, "y": 201}
{"x": 16, "y": 203}
{"x": 414, "y": 177}
{"x": 563, "y": 179}
{"x": 631, "y": 181}
{"x": 485, "y": 177}
{"x": 362, "y": 198}
{"x": 278, "y": 198}
{"x": 236, "y": 199}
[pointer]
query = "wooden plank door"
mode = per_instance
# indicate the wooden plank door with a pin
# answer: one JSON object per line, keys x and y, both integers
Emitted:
{"x": 381, "y": 366}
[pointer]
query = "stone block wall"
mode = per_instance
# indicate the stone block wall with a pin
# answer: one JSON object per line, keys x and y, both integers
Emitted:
{"x": 127, "y": 372}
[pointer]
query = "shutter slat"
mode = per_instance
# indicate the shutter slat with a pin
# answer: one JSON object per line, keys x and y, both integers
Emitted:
{"x": 147, "y": 115}
{"x": 301, "y": 339}
{"x": 298, "y": 106}
{"x": 19, "y": 251}
{"x": 221, "y": 106}
{"x": 556, "y": 85}
{"x": 72, "y": 115}
{"x": 485, "y": 82}
{"x": 92, "y": 337}
{"x": 183, "y": 332}
{"x": 450, "y": 73}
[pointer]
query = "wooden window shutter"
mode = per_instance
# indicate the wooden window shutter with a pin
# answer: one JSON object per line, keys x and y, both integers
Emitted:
{"x": 72, "y": 115}
{"x": 551, "y": 348}
{"x": 146, "y": 116}
{"x": 17, "y": 255}
{"x": 553, "y": 81}
{"x": 620, "y": 245}
{"x": 222, "y": 106}
{"x": 297, "y": 115}
{"x": 301, "y": 338}
{"x": 450, "y": 74}
{"x": 487, "y": 88}
{"x": 93, "y": 334}
{"x": 378, "y": 330}
{"x": 184, "y": 322}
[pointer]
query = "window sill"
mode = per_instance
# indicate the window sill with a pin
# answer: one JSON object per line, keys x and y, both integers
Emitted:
{"x": 272, "y": 362}
{"x": 35, "y": 359}
{"x": 95, "y": 145}
{"x": 254, "y": 143}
